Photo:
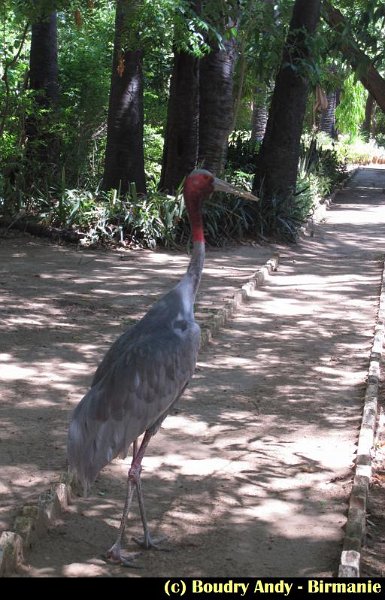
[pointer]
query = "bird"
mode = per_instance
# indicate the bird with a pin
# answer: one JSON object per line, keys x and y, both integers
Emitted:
{"x": 143, "y": 374}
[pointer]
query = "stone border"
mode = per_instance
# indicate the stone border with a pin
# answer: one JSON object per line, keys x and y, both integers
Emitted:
{"x": 34, "y": 520}
{"x": 223, "y": 314}
{"x": 32, "y": 523}
{"x": 356, "y": 522}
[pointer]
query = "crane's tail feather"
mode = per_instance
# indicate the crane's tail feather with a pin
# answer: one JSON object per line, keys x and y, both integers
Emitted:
{"x": 93, "y": 444}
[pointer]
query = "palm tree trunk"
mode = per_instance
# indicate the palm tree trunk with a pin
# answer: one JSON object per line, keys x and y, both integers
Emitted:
{"x": 260, "y": 113}
{"x": 42, "y": 149}
{"x": 276, "y": 171}
{"x": 367, "y": 128}
{"x": 124, "y": 160}
{"x": 180, "y": 151}
{"x": 216, "y": 106}
{"x": 328, "y": 116}
{"x": 43, "y": 67}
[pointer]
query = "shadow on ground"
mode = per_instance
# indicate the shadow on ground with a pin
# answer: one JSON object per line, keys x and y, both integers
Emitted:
{"x": 252, "y": 471}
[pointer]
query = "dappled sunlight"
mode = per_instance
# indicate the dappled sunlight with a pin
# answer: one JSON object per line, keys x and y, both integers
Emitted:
{"x": 201, "y": 467}
{"x": 182, "y": 423}
{"x": 62, "y": 311}
{"x": 255, "y": 461}
{"x": 11, "y": 372}
{"x": 343, "y": 376}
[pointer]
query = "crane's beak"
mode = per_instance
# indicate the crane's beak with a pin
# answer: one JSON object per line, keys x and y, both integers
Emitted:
{"x": 223, "y": 186}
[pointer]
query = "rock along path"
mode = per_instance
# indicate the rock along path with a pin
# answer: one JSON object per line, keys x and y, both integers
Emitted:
{"x": 251, "y": 474}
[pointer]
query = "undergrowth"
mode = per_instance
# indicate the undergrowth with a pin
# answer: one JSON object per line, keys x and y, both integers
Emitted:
{"x": 159, "y": 219}
{"x": 320, "y": 169}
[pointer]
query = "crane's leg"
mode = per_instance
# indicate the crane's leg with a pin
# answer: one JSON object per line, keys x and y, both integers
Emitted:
{"x": 133, "y": 481}
{"x": 147, "y": 541}
{"x": 115, "y": 552}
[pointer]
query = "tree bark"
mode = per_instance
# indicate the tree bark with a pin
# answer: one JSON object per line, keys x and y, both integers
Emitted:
{"x": 43, "y": 67}
{"x": 42, "y": 144}
{"x": 260, "y": 113}
{"x": 124, "y": 160}
{"x": 181, "y": 140}
{"x": 276, "y": 171}
{"x": 328, "y": 116}
{"x": 369, "y": 77}
{"x": 216, "y": 106}
{"x": 367, "y": 128}
{"x": 242, "y": 68}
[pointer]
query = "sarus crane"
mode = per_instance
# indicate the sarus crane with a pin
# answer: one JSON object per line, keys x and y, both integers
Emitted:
{"x": 144, "y": 373}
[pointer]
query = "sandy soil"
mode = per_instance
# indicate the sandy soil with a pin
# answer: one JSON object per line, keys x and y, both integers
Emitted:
{"x": 251, "y": 474}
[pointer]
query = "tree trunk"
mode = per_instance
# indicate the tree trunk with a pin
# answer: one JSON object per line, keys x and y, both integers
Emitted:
{"x": 369, "y": 112}
{"x": 124, "y": 160}
{"x": 260, "y": 113}
{"x": 42, "y": 149}
{"x": 181, "y": 140}
{"x": 369, "y": 76}
{"x": 216, "y": 106}
{"x": 328, "y": 116}
{"x": 43, "y": 67}
{"x": 242, "y": 68}
{"x": 276, "y": 171}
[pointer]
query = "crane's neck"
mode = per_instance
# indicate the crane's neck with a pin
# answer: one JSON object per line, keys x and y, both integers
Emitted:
{"x": 195, "y": 268}
{"x": 194, "y": 199}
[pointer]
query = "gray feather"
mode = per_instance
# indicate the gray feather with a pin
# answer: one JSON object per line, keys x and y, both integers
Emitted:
{"x": 139, "y": 379}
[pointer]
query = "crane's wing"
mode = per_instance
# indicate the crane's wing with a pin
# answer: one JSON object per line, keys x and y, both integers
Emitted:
{"x": 141, "y": 376}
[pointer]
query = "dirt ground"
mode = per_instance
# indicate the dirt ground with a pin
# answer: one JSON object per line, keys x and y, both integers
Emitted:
{"x": 251, "y": 474}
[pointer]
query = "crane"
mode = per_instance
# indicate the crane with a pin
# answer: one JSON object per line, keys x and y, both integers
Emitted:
{"x": 143, "y": 374}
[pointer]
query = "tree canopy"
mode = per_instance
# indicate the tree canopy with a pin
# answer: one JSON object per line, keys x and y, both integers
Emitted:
{"x": 98, "y": 126}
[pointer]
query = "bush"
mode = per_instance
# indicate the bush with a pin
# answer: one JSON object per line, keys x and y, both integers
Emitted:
{"x": 321, "y": 167}
{"x": 158, "y": 219}
{"x": 282, "y": 217}
{"x": 320, "y": 170}
{"x": 242, "y": 152}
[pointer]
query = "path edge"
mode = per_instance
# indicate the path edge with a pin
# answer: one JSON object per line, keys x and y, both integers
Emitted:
{"x": 355, "y": 529}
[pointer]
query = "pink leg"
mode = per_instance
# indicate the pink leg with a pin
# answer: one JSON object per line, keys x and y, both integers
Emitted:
{"x": 133, "y": 481}
{"x": 115, "y": 552}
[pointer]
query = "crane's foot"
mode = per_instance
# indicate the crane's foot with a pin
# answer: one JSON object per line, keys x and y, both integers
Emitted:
{"x": 114, "y": 555}
{"x": 148, "y": 542}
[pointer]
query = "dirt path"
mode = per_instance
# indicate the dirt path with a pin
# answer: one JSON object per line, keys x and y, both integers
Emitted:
{"x": 251, "y": 475}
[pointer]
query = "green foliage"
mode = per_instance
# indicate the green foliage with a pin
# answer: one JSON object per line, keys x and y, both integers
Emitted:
{"x": 153, "y": 152}
{"x": 107, "y": 218}
{"x": 146, "y": 221}
{"x": 14, "y": 38}
{"x": 281, "y": 218}
{"x": 153, "y": 219}
{"x": 380, "y": 140}
{"x": 324, "y": 157}
{"x": 321, "y": 167}
{"x": 366, "y": 20}
{"x": 260, "y": 37}
{"x": 85, "y": 71}
{"x": 229, "y": 219}
{"x": 85, "y": 31}
{"x": 242, "y": 152}
{"x": 350, "y": 112}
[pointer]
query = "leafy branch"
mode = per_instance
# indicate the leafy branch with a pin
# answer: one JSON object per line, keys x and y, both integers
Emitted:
{"x": 9, "y": 65}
